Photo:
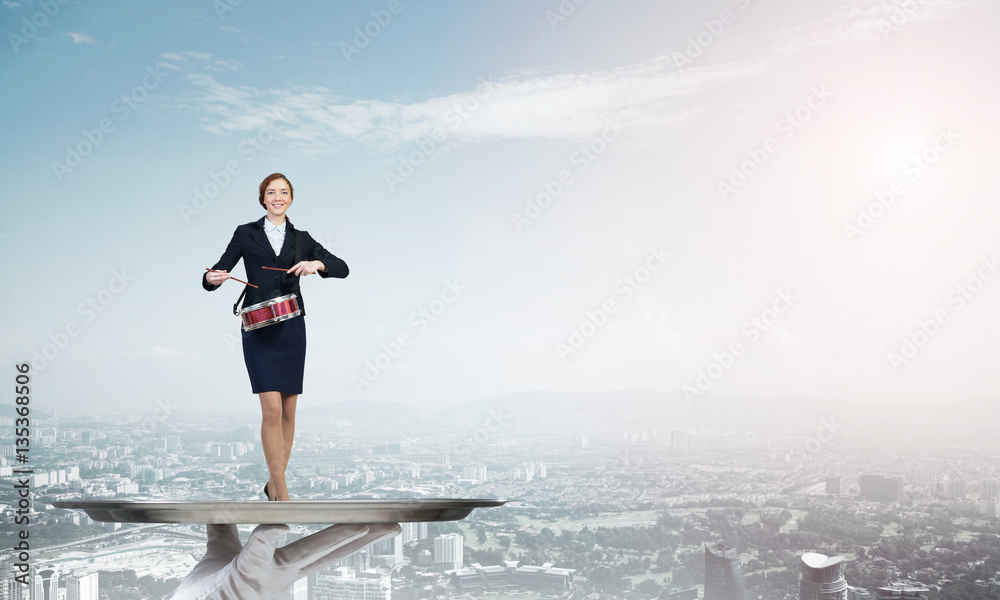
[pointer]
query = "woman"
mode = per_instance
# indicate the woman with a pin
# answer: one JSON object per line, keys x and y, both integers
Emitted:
{"x": 275, "y": 354}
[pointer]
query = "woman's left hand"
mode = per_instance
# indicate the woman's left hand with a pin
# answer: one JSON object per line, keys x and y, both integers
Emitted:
{"x": 307, "y": 267}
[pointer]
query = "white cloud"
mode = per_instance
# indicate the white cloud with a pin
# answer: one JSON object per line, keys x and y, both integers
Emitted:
{"x": 317, "y": 120}
{"x": 864, "y": 21}
{"x": 82, "y": 38}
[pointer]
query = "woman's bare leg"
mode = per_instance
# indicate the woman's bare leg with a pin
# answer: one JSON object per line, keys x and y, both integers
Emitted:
{"x": 288, "y": 402}
{"x": 272, "y": 441}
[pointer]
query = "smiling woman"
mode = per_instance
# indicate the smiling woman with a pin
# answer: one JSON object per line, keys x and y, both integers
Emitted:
{"x": 275, "y": 352}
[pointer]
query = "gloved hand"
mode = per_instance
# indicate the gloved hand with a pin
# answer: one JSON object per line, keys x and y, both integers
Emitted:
{"x": 260, "y": 570}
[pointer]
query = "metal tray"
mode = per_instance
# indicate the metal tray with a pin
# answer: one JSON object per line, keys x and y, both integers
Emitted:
{"x": 390, "y": 510}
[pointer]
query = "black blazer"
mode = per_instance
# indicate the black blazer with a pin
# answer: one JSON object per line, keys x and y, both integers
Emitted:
{"x": 251, "y": 244}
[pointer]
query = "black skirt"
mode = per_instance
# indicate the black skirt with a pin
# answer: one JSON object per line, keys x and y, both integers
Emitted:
{"x": 275, "y": 356}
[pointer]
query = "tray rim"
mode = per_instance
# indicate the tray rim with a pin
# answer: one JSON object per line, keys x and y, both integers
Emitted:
{"x": 358, "y": 510}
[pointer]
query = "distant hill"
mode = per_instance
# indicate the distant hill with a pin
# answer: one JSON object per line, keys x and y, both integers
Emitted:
{"x": 642, "y": 407}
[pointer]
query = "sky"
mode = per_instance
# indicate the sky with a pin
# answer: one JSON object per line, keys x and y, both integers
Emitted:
{"x": 745, "y": 197}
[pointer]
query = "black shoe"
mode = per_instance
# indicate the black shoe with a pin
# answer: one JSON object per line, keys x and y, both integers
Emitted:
{"x": 266, "y": 495}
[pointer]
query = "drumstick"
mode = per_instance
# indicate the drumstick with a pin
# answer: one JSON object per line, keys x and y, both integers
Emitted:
{"x": 233, "y": 278}
{"x": 273, "y": 269}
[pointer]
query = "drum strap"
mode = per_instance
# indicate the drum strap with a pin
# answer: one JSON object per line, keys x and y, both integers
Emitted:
{"x": 298, "y": 257}
{"x": 295, "y": 290}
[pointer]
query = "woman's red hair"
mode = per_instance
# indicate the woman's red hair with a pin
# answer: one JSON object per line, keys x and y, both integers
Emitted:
{"x": 267, "y": 181}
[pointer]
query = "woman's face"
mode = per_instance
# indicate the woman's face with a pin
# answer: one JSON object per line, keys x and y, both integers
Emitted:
{"x": 277, "y": 198}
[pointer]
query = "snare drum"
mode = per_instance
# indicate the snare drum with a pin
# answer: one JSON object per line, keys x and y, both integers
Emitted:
{"x": 270, "y": 312}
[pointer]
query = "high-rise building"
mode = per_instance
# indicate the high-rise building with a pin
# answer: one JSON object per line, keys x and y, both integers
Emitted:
{"x": 357, "y": 562}
{"x": 723, "y": 576}
{"x": 833, "y": 486}
{"x": 989, "y": 489}
{"x": 957, "y": 489}
{"x": 903, "y": 590}
{"x": 475, "y": 472}
{"x": 681, "y": 442}
{"x": 11, "y": 588}
{"x": 822, "y": 578}
{"x": 46, "y": 585}
{"x": 388, "y": 552}
{"x": 413, "y": 532}
{"x": 345, "y": 584}
{"x": 876, "y": 488}
{"x": 921, "y": 476}
{"x": 448, "y": 551}
{"x": 82, "y": 587}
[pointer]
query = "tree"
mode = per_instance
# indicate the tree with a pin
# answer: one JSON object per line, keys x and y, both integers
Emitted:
{"x": 648, "y": 586}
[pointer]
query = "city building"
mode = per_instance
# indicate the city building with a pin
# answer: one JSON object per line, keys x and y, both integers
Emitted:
{"x": 854, "y": 593}
{"x": 833, "y": 486}
{"x": 989, "y": 489}
{"x": 510, "y": 577}
{"x": 475, "y": 472}
{"x": 902, "y": 590}
{"x": 357, "y": 562}
{"x": 876, "y": 488}
{"x": 957, "y": 489}
{"x": 45, "y": 585}
{"x": 12, "y": 589}
{"x": 822, "y": 578}
{"x": 723, "y": 576}
{"x": 413, "y": 532}
{"x": 681, "y": 442}
{"x": 346, "y": 584}
{"x": 82, "y": 588}
{"x": 388, "y": 552}
{"x": 448, "y": 549}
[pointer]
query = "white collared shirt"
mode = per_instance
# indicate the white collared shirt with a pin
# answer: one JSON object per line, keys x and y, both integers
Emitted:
{"x": 275, "y": 235}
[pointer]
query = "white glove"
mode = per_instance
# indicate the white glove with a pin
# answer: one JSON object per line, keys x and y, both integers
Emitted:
{"x": 260, "y": 570}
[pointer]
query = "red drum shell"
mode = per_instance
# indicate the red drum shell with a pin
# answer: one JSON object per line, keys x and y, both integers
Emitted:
{"x": 270, "y": 312}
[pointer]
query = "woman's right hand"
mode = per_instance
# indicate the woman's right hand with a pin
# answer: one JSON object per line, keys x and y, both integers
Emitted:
{"x": 217, "y": 277}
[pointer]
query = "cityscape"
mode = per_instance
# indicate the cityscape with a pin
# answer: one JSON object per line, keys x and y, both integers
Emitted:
{"x": 655, "y": 498}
